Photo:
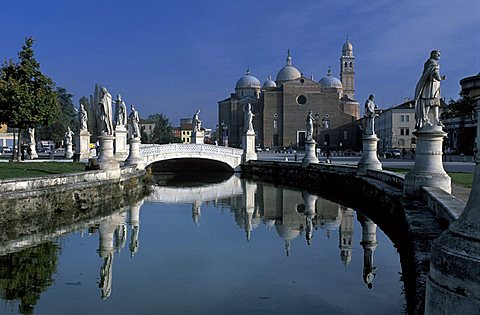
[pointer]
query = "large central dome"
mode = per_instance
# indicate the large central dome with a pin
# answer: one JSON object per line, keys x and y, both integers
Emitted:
{"x": 289, "y": 72}
{"x": 248, "y": 81}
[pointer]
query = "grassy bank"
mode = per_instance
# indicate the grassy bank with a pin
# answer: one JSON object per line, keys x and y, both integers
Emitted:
{"x": 459, "y": 179}
{"x": 18, "y": 170}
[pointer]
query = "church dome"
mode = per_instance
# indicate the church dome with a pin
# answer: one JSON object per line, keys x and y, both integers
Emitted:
{"x": 329, "y": 81}
{"x": 289, "y": 72}
{"x": 347, "y": 46}
{"x": 269, "y": 83}
{"x": 248, "y": 81}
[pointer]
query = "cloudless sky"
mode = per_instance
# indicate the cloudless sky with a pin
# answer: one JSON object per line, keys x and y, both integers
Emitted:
{"x": 174, "y": 57}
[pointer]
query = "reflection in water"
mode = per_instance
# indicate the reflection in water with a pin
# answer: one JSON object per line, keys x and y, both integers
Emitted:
{"x": 290, "y": 213}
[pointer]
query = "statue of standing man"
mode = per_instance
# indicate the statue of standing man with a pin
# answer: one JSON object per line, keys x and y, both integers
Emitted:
{"x": 120, "y": 112}
{"x": 248, "y": 118}
{"x": 427, "y": 92}
{"x": 83, "y": 118}
{"x": 135, "y": 117}
{"x": 370, "y": 115}
{"x": 310, "y": 121}
{"x": 196, "y": 122}
{"x": 106, "y": 107}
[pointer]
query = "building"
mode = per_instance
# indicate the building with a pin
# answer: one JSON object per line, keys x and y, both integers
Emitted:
{"x": 147, "y": 126}
{"x": 281, "y": 106}
{"x": 6, "y": 138}
{"x": 394, "y": 127}
{"x": 186, "y": 130}
{"x": 461, "y": 133}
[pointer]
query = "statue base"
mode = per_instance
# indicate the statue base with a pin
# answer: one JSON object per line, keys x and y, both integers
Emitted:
{"x": 428, "y": 168}
{"x": 310, "y": 153}
{"x": 68, "y": 151}
{"x": 121, "y": 148}
{"x": 369, "y": 160}
{"x": 106, "y": 159}
{"x": 83, "y": 145}
{"x": 33, "y": 151}
{"x": 134, "y": 157}
{"x": 248, "y": 145}
{"x": 198, "y": 137}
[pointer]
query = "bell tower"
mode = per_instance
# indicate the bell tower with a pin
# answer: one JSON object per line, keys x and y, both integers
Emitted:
{"x": 347, "y": 69}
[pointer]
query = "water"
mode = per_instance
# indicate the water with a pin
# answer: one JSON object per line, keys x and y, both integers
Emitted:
{"x": 226, "y": 248}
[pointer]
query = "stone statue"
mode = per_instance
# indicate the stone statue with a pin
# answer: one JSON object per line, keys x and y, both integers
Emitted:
{"x": 135, "y": 117}
{"x": 106, "y": 108}
{"x": 310, "y": 121}
{"x": 68, "y": 136}
{"x": 31, "y": 135}
{"x": 248, "y": 118}
{"x": 83, "y": 118}
{"x": 196, "y": 122}
{"x": 427, "y": 92}
{"x": 370, "y": 114}
{"x": 120, "y": 112}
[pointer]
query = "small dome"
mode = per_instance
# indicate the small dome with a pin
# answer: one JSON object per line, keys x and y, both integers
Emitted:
{"x": 289, "y": 72}
{"x": 329, "y": 81}
{"x": 347, "y": 46}
{"x": 248, "y": 81}
{"x": 269, "y": 83}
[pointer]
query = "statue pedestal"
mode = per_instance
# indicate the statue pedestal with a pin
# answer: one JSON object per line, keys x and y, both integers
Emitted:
{"x": 68, "y": 151}
{"x": 121, "y": 149}
{"x": 83, "y": 144}
{"x": 453, "y": 284}
{"x": 134, "y": 157}
{"x": 198, "y": 137}
{"x": 428, "y": 168}
{"x": 248, "y": 145}
{"x": 369, "y": 160}
{"x": 310, "y": 153}
{"x": 106, "y": 159}
{"x": 32, "y": 150}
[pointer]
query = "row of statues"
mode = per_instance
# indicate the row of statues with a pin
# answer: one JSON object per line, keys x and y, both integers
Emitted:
{"x": 106, "y": 115}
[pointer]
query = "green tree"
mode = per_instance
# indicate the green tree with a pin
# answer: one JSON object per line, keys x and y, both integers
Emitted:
{"x": 27, "y": 97}
{"x": 464, "y": 106}
{"x": 68, "y": 117}
{"x": 163, "y": 131}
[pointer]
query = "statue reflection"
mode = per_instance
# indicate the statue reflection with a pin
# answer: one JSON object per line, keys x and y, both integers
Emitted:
{"x": 310, "y": 211}
{"x": 134, "y": 221}
{"x": 369, "y": 244}
{"x": 346, "y": 235}
{"x": 248, "y": 197}
{"x": 108, "y": 227}
{"x": 196, "y": 211}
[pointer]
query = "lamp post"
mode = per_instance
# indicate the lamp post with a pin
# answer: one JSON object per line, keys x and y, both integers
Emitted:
{"x": 317, "y": 123}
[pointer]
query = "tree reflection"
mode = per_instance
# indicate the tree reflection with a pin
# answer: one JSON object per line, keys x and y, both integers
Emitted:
{"x": 26, "y": 274}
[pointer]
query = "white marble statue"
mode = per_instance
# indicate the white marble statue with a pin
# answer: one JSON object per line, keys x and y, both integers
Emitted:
{"x": 427, "y": 92}
{"x": 68, "y": 136}
{"x": 370, "y": 114}
{"x": 135, "y": 118}
{"x": 248, "y": 118}
{"x": 196, "y": 122}
{"x": 120, "y": 112}
{"x": 31, "y": 135}
{"x": 106, "y": 107}
{"x": 83, "y": 118}
{"x": 310, "y": 121}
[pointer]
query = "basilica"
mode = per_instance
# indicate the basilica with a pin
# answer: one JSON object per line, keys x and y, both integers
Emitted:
{"x": 281, "y": 106}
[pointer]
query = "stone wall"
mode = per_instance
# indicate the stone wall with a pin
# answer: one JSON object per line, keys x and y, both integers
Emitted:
{"x": 46, "y": 203}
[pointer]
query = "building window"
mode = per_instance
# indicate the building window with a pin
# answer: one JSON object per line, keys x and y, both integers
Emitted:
{"x": 301, "y": 100}
{"x": 407, "y": 118}
{"x": 345, "y": 135}
{"x": 407, "y": 131}
{"x": 402, "y": 118}
{"x": 402, "y": 131}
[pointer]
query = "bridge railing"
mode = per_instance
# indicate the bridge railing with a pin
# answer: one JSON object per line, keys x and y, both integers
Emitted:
{"x": 155, "y": 149}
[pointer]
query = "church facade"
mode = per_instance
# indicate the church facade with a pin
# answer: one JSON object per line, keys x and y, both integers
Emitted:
{"x": 281, "y": 106}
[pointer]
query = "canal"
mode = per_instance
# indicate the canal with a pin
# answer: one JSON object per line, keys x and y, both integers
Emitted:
{"x": 211, "y": 245}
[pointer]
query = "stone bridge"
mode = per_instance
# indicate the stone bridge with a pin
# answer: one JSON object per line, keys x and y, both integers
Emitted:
{"x": 152, "y": 153}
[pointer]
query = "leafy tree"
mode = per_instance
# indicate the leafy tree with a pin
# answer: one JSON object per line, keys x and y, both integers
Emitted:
{"x": 27, "y": 97}
{"x": 163, "y": 131}
{"x": 26, "y": 274}
{"x": 68, "y": 117}
{"x": 144, "y": 138}
{"x": 464, "y": 106}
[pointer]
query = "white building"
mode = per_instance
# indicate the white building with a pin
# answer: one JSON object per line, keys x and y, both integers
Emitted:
{"x": 394, "y": 127}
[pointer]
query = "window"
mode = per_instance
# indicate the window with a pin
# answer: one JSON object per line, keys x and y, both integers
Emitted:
{"x": 351, "y": 64}
{"x": 407, "y": 131}
{"x": 402, "y": 118}
{"x": 345, "y": 135}
{"x": 301, "y": 100}
{"x": 407, "y": 118}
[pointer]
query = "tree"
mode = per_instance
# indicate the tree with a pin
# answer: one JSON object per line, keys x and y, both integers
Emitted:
{"x": 27, "y": 97}
{"x": 68, "y": 117}
{"x": 464, "y": 106}
{"x": 163, "y": 131}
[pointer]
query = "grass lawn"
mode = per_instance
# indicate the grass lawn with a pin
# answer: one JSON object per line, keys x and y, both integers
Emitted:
{"x": 459, "y": 179}
{"x": 17, "y": 170}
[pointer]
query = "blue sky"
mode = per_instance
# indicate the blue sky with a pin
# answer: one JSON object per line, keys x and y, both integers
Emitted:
{"x": 174, "y": 57}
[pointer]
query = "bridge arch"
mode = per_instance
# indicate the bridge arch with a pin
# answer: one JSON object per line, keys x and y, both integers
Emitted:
{"x": 230, "y": 157}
